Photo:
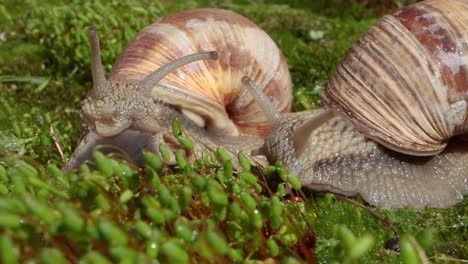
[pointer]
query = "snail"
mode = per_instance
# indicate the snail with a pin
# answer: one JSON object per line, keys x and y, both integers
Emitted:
{"x": 188, "y": 66}
{"x": 394, "y": 125}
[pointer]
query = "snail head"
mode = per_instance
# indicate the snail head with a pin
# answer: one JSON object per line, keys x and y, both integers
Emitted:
{"x": 112, "y": 107}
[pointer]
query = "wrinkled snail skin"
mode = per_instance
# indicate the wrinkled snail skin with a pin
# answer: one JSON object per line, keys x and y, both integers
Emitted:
{"x": 187, "y": 65}
{"x": 336, "y": 157}
{"x": 395, "y": 114}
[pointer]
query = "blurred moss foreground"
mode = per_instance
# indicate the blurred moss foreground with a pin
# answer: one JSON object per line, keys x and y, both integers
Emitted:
{"x": 192, "y": 212}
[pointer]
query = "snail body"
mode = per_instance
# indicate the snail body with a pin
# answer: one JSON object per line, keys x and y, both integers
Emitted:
{"x": 394, "y": 117}
{"x": 187, "y": 65}
{"x": 336, "y": 157}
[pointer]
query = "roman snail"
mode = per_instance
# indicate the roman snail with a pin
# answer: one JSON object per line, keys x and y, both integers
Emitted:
{"x": 187, "y": 65}
{"x": 395, "y": 114}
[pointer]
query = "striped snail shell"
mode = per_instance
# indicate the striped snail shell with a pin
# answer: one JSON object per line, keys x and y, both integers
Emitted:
{"x": 210, "y": 92}
{"x": 404, "y": 84}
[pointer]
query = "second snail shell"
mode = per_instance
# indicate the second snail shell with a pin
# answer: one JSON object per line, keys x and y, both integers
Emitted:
{"x": 210, "y": 91}
{"x": 404, "y": 83}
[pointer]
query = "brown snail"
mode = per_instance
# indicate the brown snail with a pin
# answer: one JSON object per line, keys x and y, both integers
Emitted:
{"x": 186, "y": 65}
{"x": 394, "y": 117}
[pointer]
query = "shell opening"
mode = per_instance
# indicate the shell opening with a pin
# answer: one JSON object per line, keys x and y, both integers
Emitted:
{"x": 148, "y": 83}
{"x": 97, "y": 70}
{"x": 267, "y": 106}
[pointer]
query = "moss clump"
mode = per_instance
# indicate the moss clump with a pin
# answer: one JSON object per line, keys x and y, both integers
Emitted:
{"x": 161, "y": 213}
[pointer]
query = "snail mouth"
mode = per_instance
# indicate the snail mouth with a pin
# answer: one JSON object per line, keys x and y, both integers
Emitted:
{"x": 127, "y": 145}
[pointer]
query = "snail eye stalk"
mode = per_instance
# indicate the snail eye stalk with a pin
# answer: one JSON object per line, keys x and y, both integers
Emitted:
{"x": 265, "y": 103}
{"x": 97, "y": 70}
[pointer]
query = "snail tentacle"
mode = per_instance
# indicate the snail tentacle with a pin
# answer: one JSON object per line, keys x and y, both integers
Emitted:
{"x": 267, "y": 106}
{"x": 97, "y": 70}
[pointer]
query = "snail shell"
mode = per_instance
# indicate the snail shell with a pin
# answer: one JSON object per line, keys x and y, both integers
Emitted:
{"x": 405, "y": 82}
{"x": 161, "y": 72}
{"x": 210, "y": 92}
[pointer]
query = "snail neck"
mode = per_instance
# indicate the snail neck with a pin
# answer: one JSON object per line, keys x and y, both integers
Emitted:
{"x": 303, "y": 139}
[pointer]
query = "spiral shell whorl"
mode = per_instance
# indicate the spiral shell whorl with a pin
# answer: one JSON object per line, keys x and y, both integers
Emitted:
{"x": 243, "y": 49}
{"x": 405, "y": 82}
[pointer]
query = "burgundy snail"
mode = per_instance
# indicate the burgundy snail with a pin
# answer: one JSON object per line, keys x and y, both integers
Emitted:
{"x": 186, "y": 65}
{"x": 395, "y": 114}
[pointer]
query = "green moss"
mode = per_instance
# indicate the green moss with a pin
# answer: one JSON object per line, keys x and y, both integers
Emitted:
{"x": 45, "y": 73}
{"x": 447, "y": 226}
